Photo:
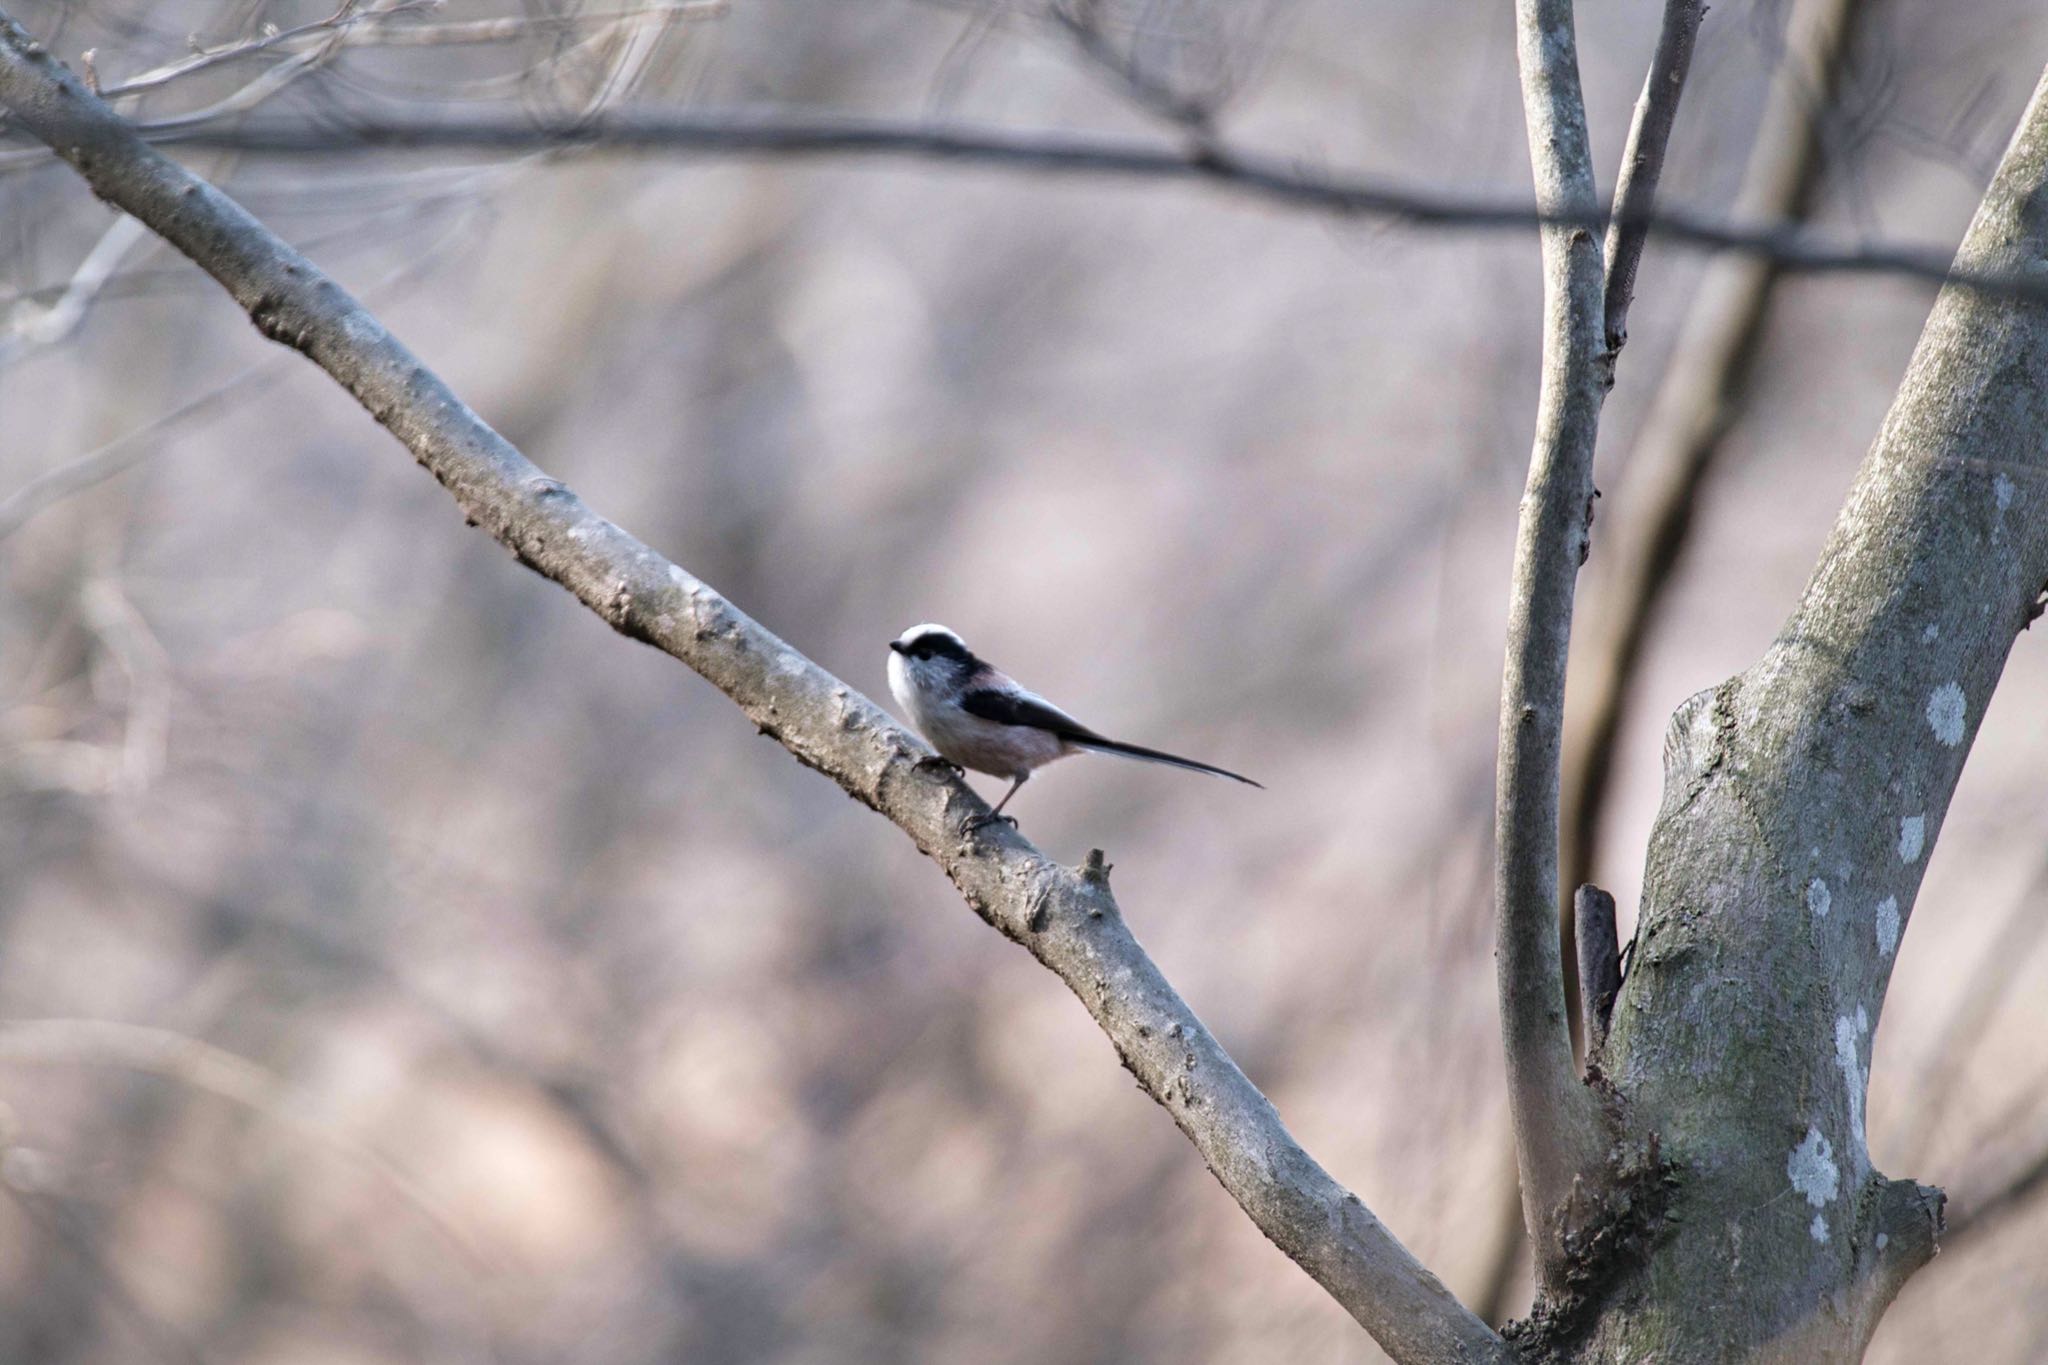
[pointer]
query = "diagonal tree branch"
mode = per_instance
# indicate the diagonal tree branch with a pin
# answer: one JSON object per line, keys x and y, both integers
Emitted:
{"x": 1277, "y": 179}
{"x": 1066, "y": 918}
{"x": 1557, "y": 1129}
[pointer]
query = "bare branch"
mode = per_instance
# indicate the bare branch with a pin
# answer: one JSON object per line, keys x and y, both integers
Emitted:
{"x": 1801, "y": 799}
{"x": 365, "y": 28}
{"x": 1642, "y": 163}
{"x": 1065, "y": 917}
{"x": 1557, "y": 1131}
{"x": 1082, "y": 19}
{"x": 37, "y": 328}
{"x": 1277, "y": 179}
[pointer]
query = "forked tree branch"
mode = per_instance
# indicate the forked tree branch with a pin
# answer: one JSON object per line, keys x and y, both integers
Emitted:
{"x": 1066, "y": 918}
{"x": 1697, "y": 404}
{"x": 1635, "y": 198}
{"x": 1802, "y": 798}
{"x": 1557, "y": 1129}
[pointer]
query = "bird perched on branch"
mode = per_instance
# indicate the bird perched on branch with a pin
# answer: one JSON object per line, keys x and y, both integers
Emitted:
{"x": 978, "y": 717}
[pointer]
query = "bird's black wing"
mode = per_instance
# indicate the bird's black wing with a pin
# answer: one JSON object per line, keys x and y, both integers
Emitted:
{"x": 1017, "y": 707}
{"x": 1006, "y": 707}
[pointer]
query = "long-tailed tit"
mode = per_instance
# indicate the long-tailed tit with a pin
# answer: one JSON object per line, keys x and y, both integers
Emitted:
{"x": 979, "y": 718}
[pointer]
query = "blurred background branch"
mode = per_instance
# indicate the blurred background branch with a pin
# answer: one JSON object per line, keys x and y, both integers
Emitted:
{"x": 759, "y": 1096}
{"x": 1787, "y": 246}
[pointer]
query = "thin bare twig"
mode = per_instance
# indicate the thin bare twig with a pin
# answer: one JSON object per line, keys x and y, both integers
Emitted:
{"x": 131, "y": 447}
{"x": 1642, "y": 163}
{"x": 1282, "y": 180}
{"x": 44, "y": 327}
{"x": 1557, "y": 1129}
{"x": 366, "y": 28}
{"x": 1082, "y": 19}
{"x": 1067, "y": 918}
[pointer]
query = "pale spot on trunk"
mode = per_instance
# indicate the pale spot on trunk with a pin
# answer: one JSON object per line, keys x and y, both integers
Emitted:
{"x": 1946, "y": 709}
{"x": 1912, "y": 838}
{"x": 1811, "y": 1168}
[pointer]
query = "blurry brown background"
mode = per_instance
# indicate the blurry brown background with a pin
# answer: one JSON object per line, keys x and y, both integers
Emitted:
{"x": 559, "y": 1016}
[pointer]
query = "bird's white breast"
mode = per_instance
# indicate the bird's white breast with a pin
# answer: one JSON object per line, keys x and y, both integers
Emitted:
{"x": 983, "y": 745}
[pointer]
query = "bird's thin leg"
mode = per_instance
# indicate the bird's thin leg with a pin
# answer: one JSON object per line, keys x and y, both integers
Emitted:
{"x": 997, "y": 813}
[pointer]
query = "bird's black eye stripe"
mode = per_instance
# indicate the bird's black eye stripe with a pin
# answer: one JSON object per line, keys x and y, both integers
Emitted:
{"x": 938, "y": 646}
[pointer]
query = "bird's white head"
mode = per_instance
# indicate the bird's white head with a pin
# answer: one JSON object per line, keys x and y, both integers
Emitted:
{"x": 927, "y": 640}
{"x": 927, "y": 662}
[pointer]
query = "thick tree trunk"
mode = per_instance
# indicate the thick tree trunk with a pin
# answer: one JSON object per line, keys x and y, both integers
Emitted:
{"x": 1801, "y": 801}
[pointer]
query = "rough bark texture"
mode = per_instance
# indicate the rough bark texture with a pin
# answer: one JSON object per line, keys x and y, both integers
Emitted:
{"x": 1065, "y": 917}
{"x": 1801, "y": 801}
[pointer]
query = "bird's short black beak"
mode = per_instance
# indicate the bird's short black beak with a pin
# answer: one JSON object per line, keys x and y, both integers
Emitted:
{"x": 899, "y": 647}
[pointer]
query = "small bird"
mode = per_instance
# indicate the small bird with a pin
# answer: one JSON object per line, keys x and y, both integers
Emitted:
{"x": 977, "y": 717}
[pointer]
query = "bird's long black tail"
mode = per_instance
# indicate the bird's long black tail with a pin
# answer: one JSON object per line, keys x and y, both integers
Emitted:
{"x": 1144, "y": 755}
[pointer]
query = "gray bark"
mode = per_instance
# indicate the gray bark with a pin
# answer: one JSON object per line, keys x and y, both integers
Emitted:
{"x": 1067, "y": 918}
{"x": 1642, "y": 161}
{"x": 1712, "y": 1197}
{"x": 1801, "y": 800}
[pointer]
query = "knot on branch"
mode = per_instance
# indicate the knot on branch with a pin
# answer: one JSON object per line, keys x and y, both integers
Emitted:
{"x": 278, "y": 321}
{"x": 1599, "y": 948}
{"x": 1096, "y": 870}
{"x": 1605, "y": 1229}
